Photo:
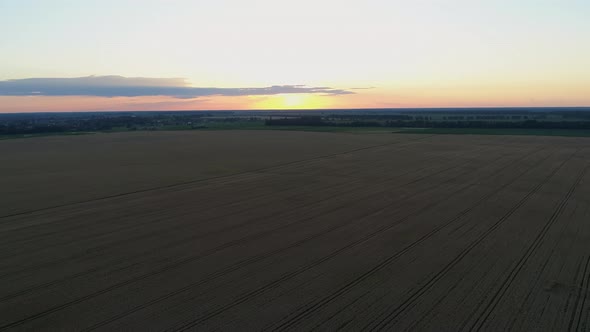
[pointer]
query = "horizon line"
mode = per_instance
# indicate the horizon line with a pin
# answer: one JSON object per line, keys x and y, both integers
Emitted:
{"x": 325, "y": 109}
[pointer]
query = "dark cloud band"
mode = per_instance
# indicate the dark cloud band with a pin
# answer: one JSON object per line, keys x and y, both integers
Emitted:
{"x": 118, "y": 86}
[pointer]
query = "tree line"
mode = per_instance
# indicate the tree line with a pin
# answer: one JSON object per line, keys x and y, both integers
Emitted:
{"x": 428, "y": 123}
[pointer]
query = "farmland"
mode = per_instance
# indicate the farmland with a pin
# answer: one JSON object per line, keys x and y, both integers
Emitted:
{"x": 556, "y": 121}
{"x": 285, "y": 230}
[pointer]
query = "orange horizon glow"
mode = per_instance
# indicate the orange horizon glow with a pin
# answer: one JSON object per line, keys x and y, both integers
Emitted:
{"x": 234, "y": 55}
{"x": 417, "y": 97}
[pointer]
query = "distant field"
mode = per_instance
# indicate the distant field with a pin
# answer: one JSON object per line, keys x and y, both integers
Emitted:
{"x": 216, "y": 126}
{"x": 40, "y": 172}
{"x": 5, "y": 137}
{"x": 498, "y": 131}
{"x": 284, "y": 230}
{"x": 257, "y": 126}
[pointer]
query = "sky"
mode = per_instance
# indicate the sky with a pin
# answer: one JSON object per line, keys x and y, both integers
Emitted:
{"x": 82, "y": 55}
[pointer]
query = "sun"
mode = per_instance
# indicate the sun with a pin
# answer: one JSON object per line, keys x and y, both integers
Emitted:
{"x": 294, "y": 100}
{"x": 291, "y": 101}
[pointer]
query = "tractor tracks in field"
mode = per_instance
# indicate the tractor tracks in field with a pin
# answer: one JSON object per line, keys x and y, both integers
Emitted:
{"x": 245, "y": 262}
{"x": 214, "y": 207}
{"x": 507, "y": 282}
{"x": 580, "y": 302}
{"x": 415, "y": 295}
{"x": 201, "y": 255}
{"x": 225, "y": 205}
{"x": 196, "y": 257}
{"x": 168, "y": 186}
{"x": 305, "y": 268}
{"x": 189, "y": 238}
{"x": 309, "y": 309}
{"x": 248, "y": 296}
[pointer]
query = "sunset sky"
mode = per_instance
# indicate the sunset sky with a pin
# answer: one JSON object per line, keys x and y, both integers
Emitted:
{"x": 234, "y": 54}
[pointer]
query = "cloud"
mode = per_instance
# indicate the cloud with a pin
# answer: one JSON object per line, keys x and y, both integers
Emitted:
{"x": 119, "y": 86}
{"x": 364, "y": 88}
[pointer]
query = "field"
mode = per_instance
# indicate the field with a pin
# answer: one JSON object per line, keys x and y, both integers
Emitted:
{"x": 498, "y": 131}
{"x": 284, "y": 230}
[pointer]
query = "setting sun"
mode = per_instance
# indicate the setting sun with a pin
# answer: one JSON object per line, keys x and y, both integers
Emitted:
{"x": 292, "y": 101}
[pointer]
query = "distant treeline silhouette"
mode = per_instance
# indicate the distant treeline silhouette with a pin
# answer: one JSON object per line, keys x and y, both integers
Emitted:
{"x": 317, "y": 121}
{"x": 54, "y": 123}
{"x": 426, "y": 122}
{"x": 24, "y": 127}
{"x": 40, "y": 123}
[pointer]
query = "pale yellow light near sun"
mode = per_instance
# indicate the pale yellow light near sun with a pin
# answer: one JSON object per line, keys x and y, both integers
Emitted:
{"x": 292, "y": 101}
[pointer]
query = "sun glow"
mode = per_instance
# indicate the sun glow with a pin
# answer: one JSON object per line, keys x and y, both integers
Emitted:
{"x": 292, "y": 101}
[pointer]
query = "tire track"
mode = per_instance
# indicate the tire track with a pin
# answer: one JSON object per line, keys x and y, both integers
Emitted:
{"x": 125, "y": 259}
{"x": 458, "y": 282}
{"x": 232, "y": 214}
{"x": 439, "y": 275}
{"x": 211, "y": 178}
{"x": 493, "y": 303}
{"x": 243, "y": 175}
{"x": 249, "y": 261}
{"x": 532, "y": 286}
{"x": 561, "y": 270}
{"x": 171, "y": 245}
{"x": 187, "y": 260}
{"x": 290, "y": 275}
{"x": 209, "y": 208}
{"x": 580, "y": 299}
{"x": 216, "y": 275}
{"x": 307, "y": 267}
{"x": 346, "y": 288}
{"x": 236, "y": 202}
{"x": 177, "y": 242}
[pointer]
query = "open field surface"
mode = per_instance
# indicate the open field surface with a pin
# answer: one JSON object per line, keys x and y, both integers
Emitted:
{"x": 279, "y": 230}
{"x": 497, "y": 131}
{"x": 40, "y": 172}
